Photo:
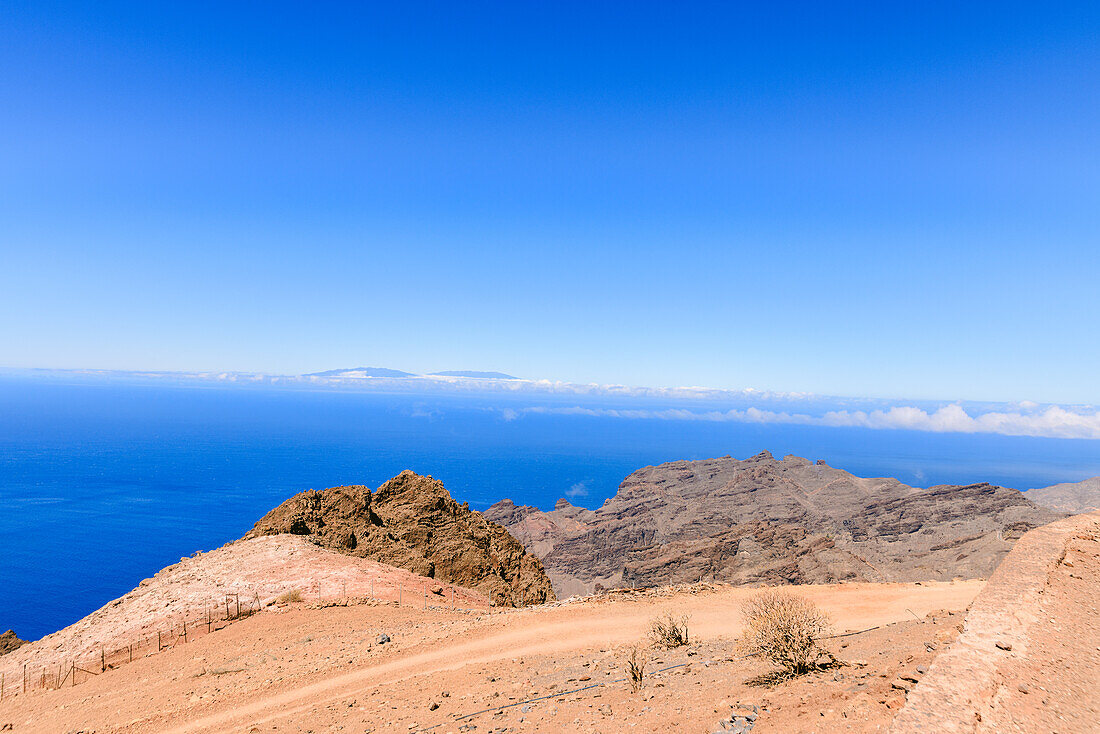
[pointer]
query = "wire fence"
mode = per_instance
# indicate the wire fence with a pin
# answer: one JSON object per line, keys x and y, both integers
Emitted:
{"x": 223, "y": 610}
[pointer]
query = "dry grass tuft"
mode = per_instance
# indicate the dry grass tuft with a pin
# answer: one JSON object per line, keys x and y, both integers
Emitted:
{"x": 289, "y": 597}
{"x": 635, "y": 666}
{"x": 786, "y": 630}
{"x": 669, "y": 630}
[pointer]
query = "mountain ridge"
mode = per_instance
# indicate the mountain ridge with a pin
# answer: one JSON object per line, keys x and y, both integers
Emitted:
{"x": 1075, "y": 497}
{"x": 763, "y": 520}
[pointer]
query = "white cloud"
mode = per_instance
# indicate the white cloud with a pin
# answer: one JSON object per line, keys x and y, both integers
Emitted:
{"x": 580, "y": 489}
{"x": 1054, "y": 421}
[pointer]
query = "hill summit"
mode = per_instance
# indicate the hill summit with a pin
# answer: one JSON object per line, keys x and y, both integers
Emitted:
{"x": 412, "y": 522}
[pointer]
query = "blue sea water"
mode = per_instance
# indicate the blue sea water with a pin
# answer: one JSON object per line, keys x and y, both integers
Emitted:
{"x": 105, "y": 483}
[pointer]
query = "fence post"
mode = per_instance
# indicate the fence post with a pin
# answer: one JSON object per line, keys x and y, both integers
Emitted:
{"x": 185, "y": 631}
{"x": 372, "y": 588}
{"x": 102, "y": 660}
{"x": 237, "y": 597}
{"x": 130, "y": 648}
{"x": 158, "y": 640}
{"x": 24, "y": 677}
{"x": 72, "y": 671}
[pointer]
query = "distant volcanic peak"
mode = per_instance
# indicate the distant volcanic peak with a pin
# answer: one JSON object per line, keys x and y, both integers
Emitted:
{"x": 362, "y": 372}
{"x": 475, "y": 374}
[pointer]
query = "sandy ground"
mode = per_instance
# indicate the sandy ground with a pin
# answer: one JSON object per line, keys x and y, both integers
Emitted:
{"x": 209, "y": 586}
{"x": 323, "y": 670}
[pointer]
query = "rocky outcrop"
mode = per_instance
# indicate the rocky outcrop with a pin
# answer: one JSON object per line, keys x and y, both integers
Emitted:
{"x": 10, "y": 641}
{"x": 412, "y": 522}
{"x": 762, "y": 520}
{"x": 1072, "y": 497}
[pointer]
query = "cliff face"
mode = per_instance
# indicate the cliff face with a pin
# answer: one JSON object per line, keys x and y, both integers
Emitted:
{"x": 766, "y": 521}
{"x": 412, "y": 522}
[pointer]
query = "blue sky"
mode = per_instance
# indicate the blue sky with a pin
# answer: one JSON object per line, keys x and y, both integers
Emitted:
{"x": 846, "y": 198}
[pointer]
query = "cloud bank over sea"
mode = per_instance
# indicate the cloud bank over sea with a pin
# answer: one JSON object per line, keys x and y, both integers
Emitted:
{"x": 1051, "y": 422}
{"x": 521, "y": 398}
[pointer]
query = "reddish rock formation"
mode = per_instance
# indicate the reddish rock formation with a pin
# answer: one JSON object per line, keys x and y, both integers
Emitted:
{"x": 766, "y": 521}
{"x": 412, "y": 522}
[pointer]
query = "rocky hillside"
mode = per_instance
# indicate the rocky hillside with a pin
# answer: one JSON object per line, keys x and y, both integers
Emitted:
{"x": 1074, "y": 497}
{"x": 412, "y": 522}
{"x": 10, "y": 641}
{"x": 766, "y": 521}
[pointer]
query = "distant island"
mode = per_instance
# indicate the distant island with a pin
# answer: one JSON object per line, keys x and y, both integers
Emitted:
{"x": 387, "y": 372}
{"x": 362, "y": 372}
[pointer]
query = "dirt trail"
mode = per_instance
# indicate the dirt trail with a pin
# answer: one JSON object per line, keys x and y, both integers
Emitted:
{"x": 322, "y": 669}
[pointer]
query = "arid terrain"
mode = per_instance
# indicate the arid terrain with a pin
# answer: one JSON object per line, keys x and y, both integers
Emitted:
{"x": 322, "y": 670}
{"x": 769, "y": 521}
{"x": 1076, "y": 497}
{"x": 292, "y": 629}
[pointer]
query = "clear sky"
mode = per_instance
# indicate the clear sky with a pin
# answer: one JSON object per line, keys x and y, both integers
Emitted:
{"x": 877, "y": 199}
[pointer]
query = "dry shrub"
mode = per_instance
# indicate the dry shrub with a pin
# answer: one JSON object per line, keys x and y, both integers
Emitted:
{"x": 289, "y": 597}
{"x": 669, "y": 631}
{"x": 786, "y": 630}
{"x": 635, "y": 666}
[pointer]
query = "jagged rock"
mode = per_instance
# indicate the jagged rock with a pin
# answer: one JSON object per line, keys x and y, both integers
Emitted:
{"x": 412, "y": 522}
{"x": 771, "y": 521}
{"x": 10, "y": 641}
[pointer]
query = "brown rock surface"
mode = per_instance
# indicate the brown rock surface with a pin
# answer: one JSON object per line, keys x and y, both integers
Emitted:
{"x": 1072, "y": 497}
{"x": 766, "y": 521}
{"x": 9, "y": 641}
{"x": 412, "y": 522}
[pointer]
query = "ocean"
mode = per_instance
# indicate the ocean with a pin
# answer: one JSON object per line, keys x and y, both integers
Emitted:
{"x": 104, "y": 483}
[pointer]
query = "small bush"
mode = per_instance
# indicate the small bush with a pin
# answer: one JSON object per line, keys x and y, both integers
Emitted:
{"x": 786, "y": 630}
{"x": 669, "y": 631}
{"x": 289, "y": 597}
{"x": 635, "y": 667}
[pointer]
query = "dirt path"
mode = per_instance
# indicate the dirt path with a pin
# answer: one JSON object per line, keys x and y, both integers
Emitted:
{"x": 322, "y": 669}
